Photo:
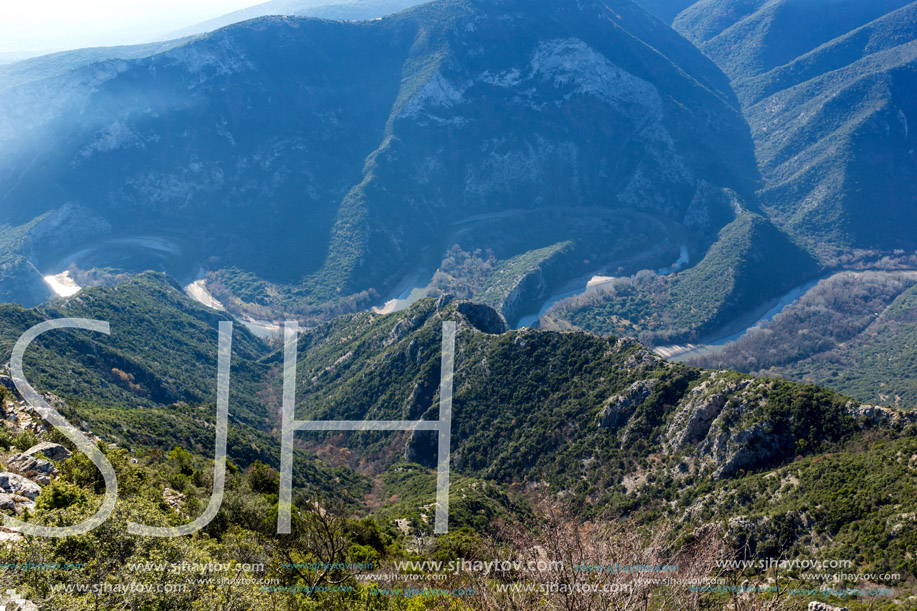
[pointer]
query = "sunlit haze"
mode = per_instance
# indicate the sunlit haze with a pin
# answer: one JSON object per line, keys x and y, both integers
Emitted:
{"x": 49, "y": 25}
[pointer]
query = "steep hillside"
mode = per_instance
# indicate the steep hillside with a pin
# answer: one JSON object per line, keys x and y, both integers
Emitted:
{"x": 854, "y": 332}
{"x": 598, "y": 422}
{"x": 750, "y": 262}
{"x": 829, "y": 90}
{"x": 666, "y": 10}
{"x": 526, "y": 402}
{"x": 309, "y": 162}
{"x": 152, "y": 382}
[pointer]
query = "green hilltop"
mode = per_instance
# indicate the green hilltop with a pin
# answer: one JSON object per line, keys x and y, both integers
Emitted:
{"x": 600, "y": 422}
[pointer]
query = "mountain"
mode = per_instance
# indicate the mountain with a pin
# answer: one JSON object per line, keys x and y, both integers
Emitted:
{"x": 313, "y": 166}
{"x": 511, "y": 152}
{"x": 666, "y": 10}
{"x": 750, "y": 262}
{"x": 597, "y": 421}
{"x": 828, "y": 90}
{"x": 152, "y": 382}
{"x": 853, "y": 332}
{"x": 16, "y": 73}
{"x": 611, "y": 428}
{"x": 355, "y": 10}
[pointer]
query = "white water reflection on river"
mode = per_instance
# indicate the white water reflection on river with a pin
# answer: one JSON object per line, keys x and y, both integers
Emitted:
{"x": 737, "y": 329}
{"x": 596, "y": 281}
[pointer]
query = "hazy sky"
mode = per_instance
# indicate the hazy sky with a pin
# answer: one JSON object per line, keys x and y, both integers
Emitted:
{"x": 39, "y": 25}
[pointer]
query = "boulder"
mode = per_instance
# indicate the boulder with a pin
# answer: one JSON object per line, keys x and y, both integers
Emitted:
{"x": 53, "y": 451}
{"x": 7, "y": 502}
{"x": 26, "y": 465}
{"x": 173, "y": 498}
{"x": 10, "y": 483}
{"x": 12, "y": 601}
{"x": 820, "y": 606}
{"x": 8, "y": 537}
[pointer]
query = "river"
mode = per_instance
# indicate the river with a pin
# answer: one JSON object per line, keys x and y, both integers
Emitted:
{"x": 738, "y": 328}
{"x": 592, "y": 283}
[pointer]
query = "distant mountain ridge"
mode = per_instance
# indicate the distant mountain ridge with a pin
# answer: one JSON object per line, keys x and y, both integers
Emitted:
{"x": 324, "y": 9}
{"x": 829, "y": 90}
{"x": 305, "y": 161}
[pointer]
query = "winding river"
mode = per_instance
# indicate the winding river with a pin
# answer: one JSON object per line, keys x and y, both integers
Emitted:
{"x": 593, "y": 283}
{"x": 737, "y": 329}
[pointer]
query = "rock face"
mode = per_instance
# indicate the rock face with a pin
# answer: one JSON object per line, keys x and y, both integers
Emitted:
{"x": 14, "y": 484}
{"x": 482, "y": 317}
{"x": 51, "y": 451}
{"x": 746, "y": 448}
{"x": 620, "y": 408}
{"x": 722, "y": 422}
{"x": 38, "y": 469}
{"x": 698, "y": 410}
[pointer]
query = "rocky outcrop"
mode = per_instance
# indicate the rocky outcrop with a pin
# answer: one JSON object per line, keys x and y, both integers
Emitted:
{"x": 17, "y": 485}
{"x": 19, "y": 417}
{"x": 483, "y": 318}
{"x": 173, "y": 498}
{"x": 38, "y": 469}
{"x": 51, "y": 451}
{"x": 698, "y": 409}
{"x": 640, "y": 357}
{"x": 34, "y": 463}
{"x": 24, "y": 473}
{"x": 820, "y": 606}
{"x": 744, "y": 448}
{"x": 619, "y": 408}
{"x": 871, "y": 415}
{"x": 405, "y": 327}
{"x": 444, "y": 300}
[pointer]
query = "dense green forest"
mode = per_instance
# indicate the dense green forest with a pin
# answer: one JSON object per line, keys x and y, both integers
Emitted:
{"x": 552, "y": 432}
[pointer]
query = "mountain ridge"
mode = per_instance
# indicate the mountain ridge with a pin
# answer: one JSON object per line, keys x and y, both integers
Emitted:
{"x": 826, "y": 90}
{"x": 339, "y": 177}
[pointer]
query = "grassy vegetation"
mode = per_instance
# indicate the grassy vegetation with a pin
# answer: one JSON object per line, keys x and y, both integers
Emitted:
{"x": 789, "y": 460}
